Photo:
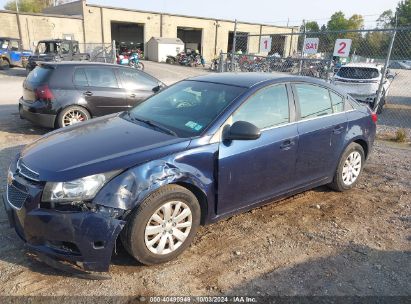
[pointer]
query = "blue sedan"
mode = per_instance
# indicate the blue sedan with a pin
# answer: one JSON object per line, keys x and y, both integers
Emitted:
{"x": 202, "y": 150}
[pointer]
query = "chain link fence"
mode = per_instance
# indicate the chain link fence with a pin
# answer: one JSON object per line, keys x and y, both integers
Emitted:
{"x": 99, "y": 52}
{"x": 373, "y": 66}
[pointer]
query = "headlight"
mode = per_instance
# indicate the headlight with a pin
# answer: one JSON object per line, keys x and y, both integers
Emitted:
{"x": 81, "y": 189}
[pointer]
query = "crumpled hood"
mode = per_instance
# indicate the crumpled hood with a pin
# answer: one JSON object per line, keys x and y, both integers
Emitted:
{"x": 96, "y": 146}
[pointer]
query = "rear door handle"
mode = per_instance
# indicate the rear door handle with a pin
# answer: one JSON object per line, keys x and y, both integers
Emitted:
{"x": 88, "y": 93}
{"x": 133, "y": 95}
{"x": 338, "y": 129}
{"x": 287, "y": 144}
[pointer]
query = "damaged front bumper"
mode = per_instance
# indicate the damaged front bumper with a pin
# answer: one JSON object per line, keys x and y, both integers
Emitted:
{"x": 80, "y": 240}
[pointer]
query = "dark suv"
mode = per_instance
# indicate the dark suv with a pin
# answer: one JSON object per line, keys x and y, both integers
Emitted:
{"x": 61, "y": 94}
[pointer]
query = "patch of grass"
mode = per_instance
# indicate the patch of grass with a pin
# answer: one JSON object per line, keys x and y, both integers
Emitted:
{"x": 400, "y": 136}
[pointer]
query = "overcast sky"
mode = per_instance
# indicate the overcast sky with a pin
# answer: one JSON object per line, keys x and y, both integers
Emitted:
{"x": 261, "y": 11}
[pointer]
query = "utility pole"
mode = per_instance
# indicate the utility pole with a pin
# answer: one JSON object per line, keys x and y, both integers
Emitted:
{"x": 384, "y": 70}
{"x": 234, "y": 45}
{"x": 302, "y": 50}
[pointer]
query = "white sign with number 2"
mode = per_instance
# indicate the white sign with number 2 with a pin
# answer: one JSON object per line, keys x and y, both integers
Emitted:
{"x": 342, "y": 47}
{"x": 265, "y": 44}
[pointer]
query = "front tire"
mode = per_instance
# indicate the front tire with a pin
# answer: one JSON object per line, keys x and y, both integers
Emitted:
{"x": 349, "y": 168}
{"x": 4, "y": 64}
{"x": 163, "y": 226}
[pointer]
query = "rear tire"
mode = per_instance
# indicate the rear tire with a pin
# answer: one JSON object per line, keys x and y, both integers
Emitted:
{"x": 349, "y": 168}
{"x": 140, "y": 66}
{"x": 72, "y": 115}
{"x": 140, "y": 236}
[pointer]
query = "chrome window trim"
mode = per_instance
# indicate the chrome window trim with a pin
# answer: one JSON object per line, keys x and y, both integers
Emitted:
{"x": 217, "y": 135}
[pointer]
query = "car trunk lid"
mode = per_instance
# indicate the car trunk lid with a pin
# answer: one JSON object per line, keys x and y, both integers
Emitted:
{"x": 36, "y": 80}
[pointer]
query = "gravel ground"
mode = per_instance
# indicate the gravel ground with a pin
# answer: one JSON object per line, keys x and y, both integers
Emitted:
{"x": 316, "y": 243}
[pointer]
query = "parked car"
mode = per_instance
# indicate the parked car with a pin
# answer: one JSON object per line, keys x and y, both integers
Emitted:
{"x": 399, "y": 65}
{"x": 12, "y": 53}
{"x": 199, "y": 151}
{"x": 361, "y": 81}
{"x": 62, "y": 94}
{"x": 56, "y": 50}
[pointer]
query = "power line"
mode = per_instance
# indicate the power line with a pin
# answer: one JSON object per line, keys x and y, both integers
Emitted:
{"x": 317, "y": 19}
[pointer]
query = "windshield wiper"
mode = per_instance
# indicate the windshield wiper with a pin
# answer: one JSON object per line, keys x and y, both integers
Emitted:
{"x": 152, "y": 124}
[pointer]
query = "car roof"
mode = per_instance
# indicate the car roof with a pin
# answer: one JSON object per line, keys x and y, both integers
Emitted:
{"x": 57, "y": 40}
{"x": 77, "y": 63}
{"x": 363, "y": 65}
{"x": 240, "y": 79}
{"x": 249, "y": 80}
{"x": 11, "y": 38}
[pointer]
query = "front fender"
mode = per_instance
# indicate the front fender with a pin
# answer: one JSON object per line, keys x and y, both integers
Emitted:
{"x": 194, "y": 167}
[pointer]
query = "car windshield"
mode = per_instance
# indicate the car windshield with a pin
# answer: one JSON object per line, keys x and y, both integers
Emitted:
{"x": 186, "y": 108}
{"x": 358, "y": 73}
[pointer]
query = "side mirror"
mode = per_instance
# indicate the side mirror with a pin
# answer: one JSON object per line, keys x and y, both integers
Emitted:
{"x": 390, "y": 76}
{"x": 159, "y": 87}
{"x": 241, "y": 130}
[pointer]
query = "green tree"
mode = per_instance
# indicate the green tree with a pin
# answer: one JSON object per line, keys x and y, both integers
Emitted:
{"x": 385, "y": 19}
{"x": 31, "y": 6}
{"x": 312, "y": 26}
{"x": 403, "y": 13}
{"x": 337, "y": 22}
{"x": 402, "y": 49}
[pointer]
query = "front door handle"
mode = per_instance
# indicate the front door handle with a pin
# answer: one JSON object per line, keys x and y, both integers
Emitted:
{"x": 88, "y": 93}
{"x": 338, "y": 129}
{"x": 287, "y": 144}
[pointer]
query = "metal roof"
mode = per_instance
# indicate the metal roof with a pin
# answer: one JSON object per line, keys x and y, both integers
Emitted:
{"x": 161, "y": 40}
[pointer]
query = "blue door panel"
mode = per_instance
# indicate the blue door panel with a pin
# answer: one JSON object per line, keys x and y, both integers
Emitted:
{"x": 254, "y": 170}
{"x": 320, "y": 143}
{"x": 15, "y": 57}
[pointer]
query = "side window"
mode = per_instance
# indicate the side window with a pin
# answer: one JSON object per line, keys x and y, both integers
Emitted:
{"x": 14, "y": 45}
{"x": 101, "y": 77}
{"x": 354, "y": 104}
{"x": 133, "y": 80}
{"x": 80, "y": 78}
{"x": 314, "y": 100}
{"x": 266, "y": 108}
{"x": 75, "y": 49}
{"x": 348, "y": 105}
{"x": 337, "y": 102}
{"x": 65, "y": 48}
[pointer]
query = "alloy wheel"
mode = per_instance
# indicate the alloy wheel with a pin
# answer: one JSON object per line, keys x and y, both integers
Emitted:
{"x": 168, "y": 227}
{"x": 72, "y": 117}
{"x": 352, "y": 168}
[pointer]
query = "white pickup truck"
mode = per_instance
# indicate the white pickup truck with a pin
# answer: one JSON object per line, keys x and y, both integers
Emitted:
{"x": 361, "y": 81}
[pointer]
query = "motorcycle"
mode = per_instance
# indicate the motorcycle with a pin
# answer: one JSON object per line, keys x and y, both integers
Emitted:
{"x": 171, "y": 59}
{"x": 132, "y": 60}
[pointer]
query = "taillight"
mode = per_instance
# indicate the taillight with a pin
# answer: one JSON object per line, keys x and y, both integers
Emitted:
{"x": 374, "y": 117}
{"x": 44, "y": 93}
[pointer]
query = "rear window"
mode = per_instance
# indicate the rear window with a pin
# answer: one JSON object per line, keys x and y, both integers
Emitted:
{"x": 39, "y": 74}
{"x": 358, "y": 73}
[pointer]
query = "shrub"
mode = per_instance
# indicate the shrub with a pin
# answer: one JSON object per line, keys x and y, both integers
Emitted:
{"x": 400, "y": 135}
